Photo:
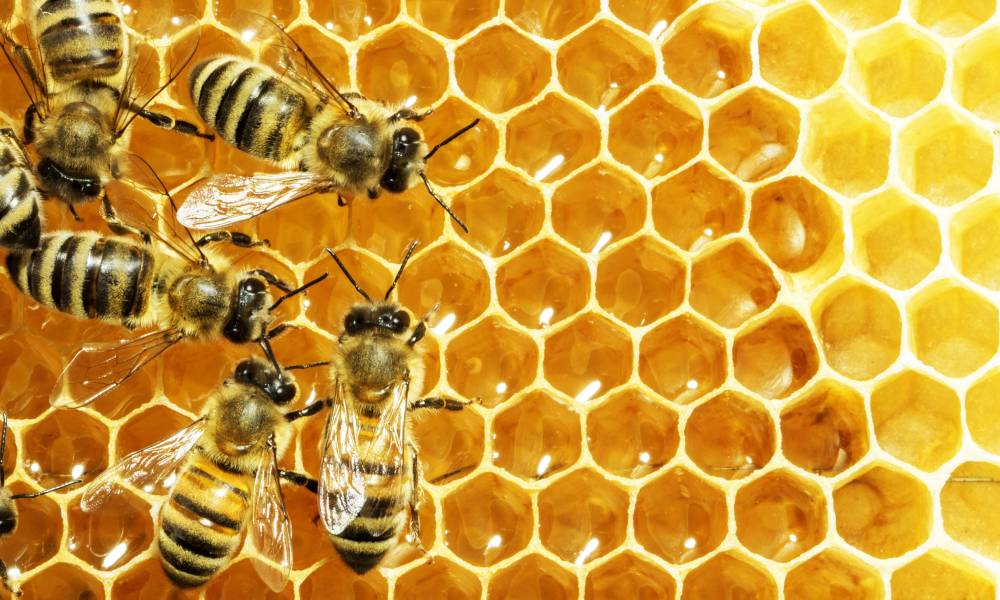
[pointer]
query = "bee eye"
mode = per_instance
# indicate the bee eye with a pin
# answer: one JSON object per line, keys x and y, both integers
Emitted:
{"x": 244, "y": 372}
{"x": 400, "y": 321}
{"x": 353, "y": 324}
{"x": 283, "y": 393}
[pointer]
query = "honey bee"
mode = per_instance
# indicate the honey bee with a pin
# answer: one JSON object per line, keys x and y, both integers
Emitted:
{"x": 20, "y": 198}
{"x": 326, "y": 140}
{"x": 8, "y": 509}
{"x": 223, "y": 475}
{"x": 369, "y": 469}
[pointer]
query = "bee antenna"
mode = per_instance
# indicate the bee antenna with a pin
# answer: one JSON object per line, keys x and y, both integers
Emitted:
{"x": 3, "y": 448}
{"x": 447, "y": 209}
{"x": 297, "y": 291}
{"x": 312, "y": 365}
{"x": 265, "y": 345}
{"x": 48, "y": 491}
{"x": 347, "y": 273}
{"x": 409, "y": 250}
{"x": 450, "y": 139}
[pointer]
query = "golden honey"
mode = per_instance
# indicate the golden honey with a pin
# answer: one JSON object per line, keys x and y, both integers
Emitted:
{"x": 728, "y": 305}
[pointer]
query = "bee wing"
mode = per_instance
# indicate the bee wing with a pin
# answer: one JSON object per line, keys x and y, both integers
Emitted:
{"x": 27, "y": 65}
{"x": 270, "y": 528}
{"x": 226, "y": 199}
{"x": 144, "y": 468}
{"x": 97, "y": 369}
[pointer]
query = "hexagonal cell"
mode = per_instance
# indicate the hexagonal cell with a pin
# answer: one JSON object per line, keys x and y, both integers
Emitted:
{"x": 731, "y": 284}
{"x": 616, "y": 207}
{"x": 834, "y": 575}
{"x": 552, "y": 138}
{"x": 38, "y": 536}
{"x": 883, "y": 512}
{"x": 401, "y": 64}
{"x": 982, "y": 411}
{"x": 696, "y": 206}
{"x": 65, "y": 445}
{"x": 754, "y": 135}
{"x": 941, "y": 575}
{"x": 898, "y": 69}
{"x": 588, "y": 357}
{"x": 777, "y": 357}
{"x": 780, "y": 516}
{"x": 680, "y": 517}
{"x": 729, "y": 436}
{"x": 798, "y": 227}
{"x": 544, "y": 284}
{"x": 975, "y": 62}
{"x": 656, "y": 132}
{"x": 954, "y": 329}
{"x": 554, "y": 19}
{"x": 146, "y": 580}
{"x": 847, "y": 146}
{"x": 800, "y": 51}
{"x": 533, "y": 577}
{"x": 682, "y": 359}
{"x": 440, "y": 579}
{"x": 500, "y": 69}
{"x": 651, "y": 17}
{"x": 826, "y": 431}
{"x": 491, "y": 361}
{"x": 349, "y": 585}
{"x": 974, "y": 247}
{"x": 387, "y": 226}
{"x": 895, "y": 240}
{"x": 640, "y": 282}
{"x": 450, "y": 19}
{"x": 604, "y": 64}
{"x": 628, "y": 576}
{"x": 240, "y": 580}
{"x": 945, "y": 157}
{"x": 62, "y": 580}
{"x": 282, "y": 12}
{"x": 968, "y": 502}
{"x": 112, "y": 536}
{"x": 536, "y": 437}
{"x": 709, "y": 50}
{"x": 29, "y": 368}
{"x": 729, "y": 575}
{"x": 451, "y": 443}
{"x": 952, "y": 17}
{"x": 506, "y": 209}
{"x": 449, "y": 277}
{"x": 353, "y": 18}
{"x": 466, "y": 157}
{"x": 859, "y": 328}
{"x": 861, "y": 14}
{"x": 487, "y": 520}
{"x": 192, "y": 371}
{"x": 917, "y": 419}
{"x": 582, "y": 516}
{"x": 631, "y": 435}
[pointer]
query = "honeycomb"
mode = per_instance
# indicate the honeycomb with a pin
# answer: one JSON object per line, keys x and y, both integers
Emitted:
{"x": 728, "y": 303}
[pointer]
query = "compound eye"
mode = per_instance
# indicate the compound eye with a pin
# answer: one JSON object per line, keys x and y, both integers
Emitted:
{"x": 353, "y": 324}
{"x": 404, "y": 142}
{"x": 90, "y": 189}
{"x": 400, "y": 321}
{"x": 284, "y": 393}
{"x": 244, "y": 372}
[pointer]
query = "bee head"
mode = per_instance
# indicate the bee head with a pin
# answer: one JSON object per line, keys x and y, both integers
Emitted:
{"x": 279, "y": 386}
{"x": 405, "y": 162}
{"x": 385, "y": 319}
{"x": 250, "y": 312}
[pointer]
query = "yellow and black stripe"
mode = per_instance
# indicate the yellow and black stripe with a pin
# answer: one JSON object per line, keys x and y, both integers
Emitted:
{"x": 80, "y": 39}
{"x": 249, "y": 106}
{"x": 202, "y": 522}
{"x": 86, "y": 275}
{"x": 20, "y": 200}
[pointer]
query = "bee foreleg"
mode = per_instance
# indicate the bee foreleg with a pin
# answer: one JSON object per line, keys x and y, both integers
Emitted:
{"x": 116, "y": 224}
{"x": 272, "y": 279}
{"x": 168, "y": 122}
{"x": 299, "y": 479}
{"x": 439, "y": 403}
{"x": 235, "y": 238}
{"x": 415, "y": 493}
{"x": 6, "y": 580}
{"x": 308, "y": 411}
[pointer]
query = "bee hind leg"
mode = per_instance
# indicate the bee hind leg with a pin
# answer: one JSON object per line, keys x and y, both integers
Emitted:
{"x": 299, "y": 479}
{"x": 115, "y": 223}
{"x": 438, "y": 403}
{"x": 168, "y": 122}
{"x": 415, "y": 494}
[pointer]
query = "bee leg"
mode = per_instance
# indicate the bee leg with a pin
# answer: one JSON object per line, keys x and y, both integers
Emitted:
{"x": 408, "y": 114}
{"x": 415, "y": 494}
{"x": 299, "y": 479}
{"x": 308, "y": 411}
{"x": 341, "y": 201}
{"x": 280, "y": 329}
{"x": 439, "y": 403}
{"x": 6, "y": 580}
{"x": 117, "y": 225}
{"x": 235, "y": 238}
{"x": 272, "y": 279}
{"x": 8, "y": 132}
{"x": 30, "y": 115}
{"x": 72, "y": 211}
{"x": 168, "y": 122}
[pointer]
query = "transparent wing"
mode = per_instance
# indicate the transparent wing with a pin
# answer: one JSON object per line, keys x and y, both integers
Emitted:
{"x": 97, "y": 369}
{"x": 226, "y": 199}
{"x": 26, "y": 63}
{"x": 144, "y": 468}
{"x": 270, "y": 528}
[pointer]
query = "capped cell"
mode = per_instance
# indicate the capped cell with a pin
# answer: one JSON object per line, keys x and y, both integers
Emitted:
{"x": 680, "y": 516}
{"x": 597, "y": 206}
{"x": 801, "y": 52}
{"x": 656, "y": 132}
{"x": 696, "y": 206}
{"x": 730, "y": 436}
{"x": 777, "y": 357}
{"x": 896, "y": 240}
{"x": 847, "y": 145}
{"x": 631, "y": 435}
{"x": 552, "y": 138}
{"x": 917, "y": 419}
{"x": 501, "y": 68}
{"x": 974, "y": 247}
{"x": 708, "y": 51}
{"x": 898, "y": 69}
{"x": 942, "y": 574}
{"x": 952, "y": 17}
{"x": 968, "y": 505}
{"x": 731, "y": 284}
{"x": 536, "y": 437}
{"x": 588, "y": 357}
{"x": 543, "y": 284}
{"x": 582, "y": 516}
{"x": 604, "y": 64}
{"x": 682, "y": 359}
{"x": 754, "y": 135}
{"x": 883, "y": 512}
{"x": 954, "y": 330}
{"x": 982, "y": 411}
{"x": 975, "y": 62}
{"x": 859, "y": 328}
{"x": 861, "y": 14}
{"x": 487, "y": 520}
{"x": 826, "y": 430}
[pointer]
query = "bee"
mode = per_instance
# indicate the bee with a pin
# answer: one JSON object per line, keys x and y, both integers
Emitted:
{"x": 326, "y": 141}
{"x": 83, "y": 93}
{"x": 223, "y": 475}
{"x": 20, "y": 198}
{"x": 370, "y": 473}
{"x": 8, "y": 508}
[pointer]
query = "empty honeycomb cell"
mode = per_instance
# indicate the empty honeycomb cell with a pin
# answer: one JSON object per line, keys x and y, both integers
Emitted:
{"x": 240, "y": 580}
{"x": 500, "y": 68}
{"x": 401, "y": 64}
{"x": 981, "y": 412}
{"x": 754, "y": 135}
{"x": 38, "y": 536}
{"x": 451, "y": 443}
{"x": 542, "y": 285}
{"x": 729, "y": 436}
{"x": 28, "y": 369}
{"x": 604, "y": 64}
{"x": 954, "y": 329}
{"x": 859, "y": 328}
{"x": 945, "y": 157}
{"x": 533, "y": 577}
{"x": 281, "y": 12}
{"x": 729, "y": 575}
{"x": 147, "y": 581}
{"x": 450, "y": 19}
{"x": 506, "y": 209}
{"x": 113, "y": 535}
{"x": 952, "y": 17}
{"x": 883, "y": 512}
{"x": 468, "y": 156}
{"x": 349, "y": 585}
{"x": 62, "y": 580}
{"x": 330, "y": 301}
{"x": 968, "y": 502}
{"x": 656, "y": 132}
{"x": 861, "y": 14}
{"x": 801, "y": 52}
{"x": 628, "y": 576}
{"x": 847, "y": 146}
{"x": 652, "y": 17}
{"x": 898, "y": 69}
{"x": 895, "y": 239}
{"x": 640, "y": 281}
{"x": 942, "y": 575}
{"x": 680, "y": 517}
{"x": 696, "y": 206}
{"x": 682, "y": 359}
{"x": 354, "y": 18}
{"x": 826, "y": 430}
{"x": 630, "y": 435}
{"x": 487, "y": 519}
{"x": 440, "y": 579}
{"x": 598, "y": 206}
{"x": 582, "y": 516}
{"x": 450, "y": 278}
{"x": 552, "y": 138}
{"x": 193, "y": 370}
{"x": 776, "y": 358}
{"x": 974, "y": 87}
{"x": 731, "y": 284}
{"x": 834, "y": 575}
{"x": 536, "y": 437}
{"x": 917, "y": 419}
{"x": 974, "y": 247}
{"x": 490, "y": 361}
{"x": 708, "y": 51}
{"x": 798, "y": 226}
{"x": 64, "y": 445}
{"x": 779, "y": 516}
{"x": 554, "y": 19}
{"x": 588, "y": 357}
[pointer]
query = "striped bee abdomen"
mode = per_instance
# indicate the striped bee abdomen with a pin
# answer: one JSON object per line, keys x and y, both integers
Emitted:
{"x": 86, "y": 275}
{"x": 250, "y": 106}
{"x": 80, "y": 39}
{"x": 20, "y": 200}
{"x": 364, "y": 543}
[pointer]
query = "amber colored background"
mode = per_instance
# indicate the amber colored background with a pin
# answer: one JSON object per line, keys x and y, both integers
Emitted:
{"x": 729, "y": 300}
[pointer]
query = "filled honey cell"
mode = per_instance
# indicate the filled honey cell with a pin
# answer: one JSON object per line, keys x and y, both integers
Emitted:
{"x": 582, "y": 516}
{"x": 708, "y": 51}
{"x": 62, "y": 580}
{"x": 696, "y": 206}
{"x": 449, "y": 278}
{"x": 883, "y": 512}
{"x": 834, "y": 574}
{"x": 966, "y": 507}
{"x": 731, "y": 284}
{"x": 442, "y": 578}
{"x": 507, "y": 211}
{"x": 604, "y": 64}
{"x": 629, "y": 576}
{"x": 615, "y": 207}
{"x": 466, "y": 157}
{"x": 859, "y": 329}
{"x": 536, "y": 437}
{"x": 680, "y": 516}
{"x": 675, "y": 123}
{"x": 729, "y": 575}
{"x": 730, "y": 436}
{"x": 649, "y": 17}
{"x": 112, "y": 536}
{"x": 898, "y": 69}
{"x": 552, "y": 138}
{"x": 552, "y": 20}
{"x": 896, "y": 240}
{"x": 973, "y": 248}
{"x": 64, "y": 445}
{"x": 825, "y": 431}
{"x": 39, "y": 533}
{"x": 29, "y": 369}
{"x": 630, "y": 435}
{"x": 487, "y": 520}
{"x": 955, "y": 330}
{"x": 491, "y": 361}
{"x": 847, "y": 146}
{"x": 942, "y": 574}
{"x": 240, "y": 580}
{"x": 777, "y": 357}
{"x": 682, "y": 359}
{"x": 400, "y": 64}
{"x": 354, "y": 18}
{"x": 348, "y": 584}
{"x": 543, "y": 285}
{"x": 500, "y": 68}
{"x": 952, "y": 17}
{"x": 449, "y": 19}
{"x": 917, "y": 419}
{"x": 451, "y": 443}
{"x": 861, "y": 14}
{"x": 801, "y": 52}
{"x": 779, "y": 516}
{"x": 754, "y": 135}
{"x": 588, "y": 357}
{"x": 640, "y": 282}
{"x": 533, "y": 578}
